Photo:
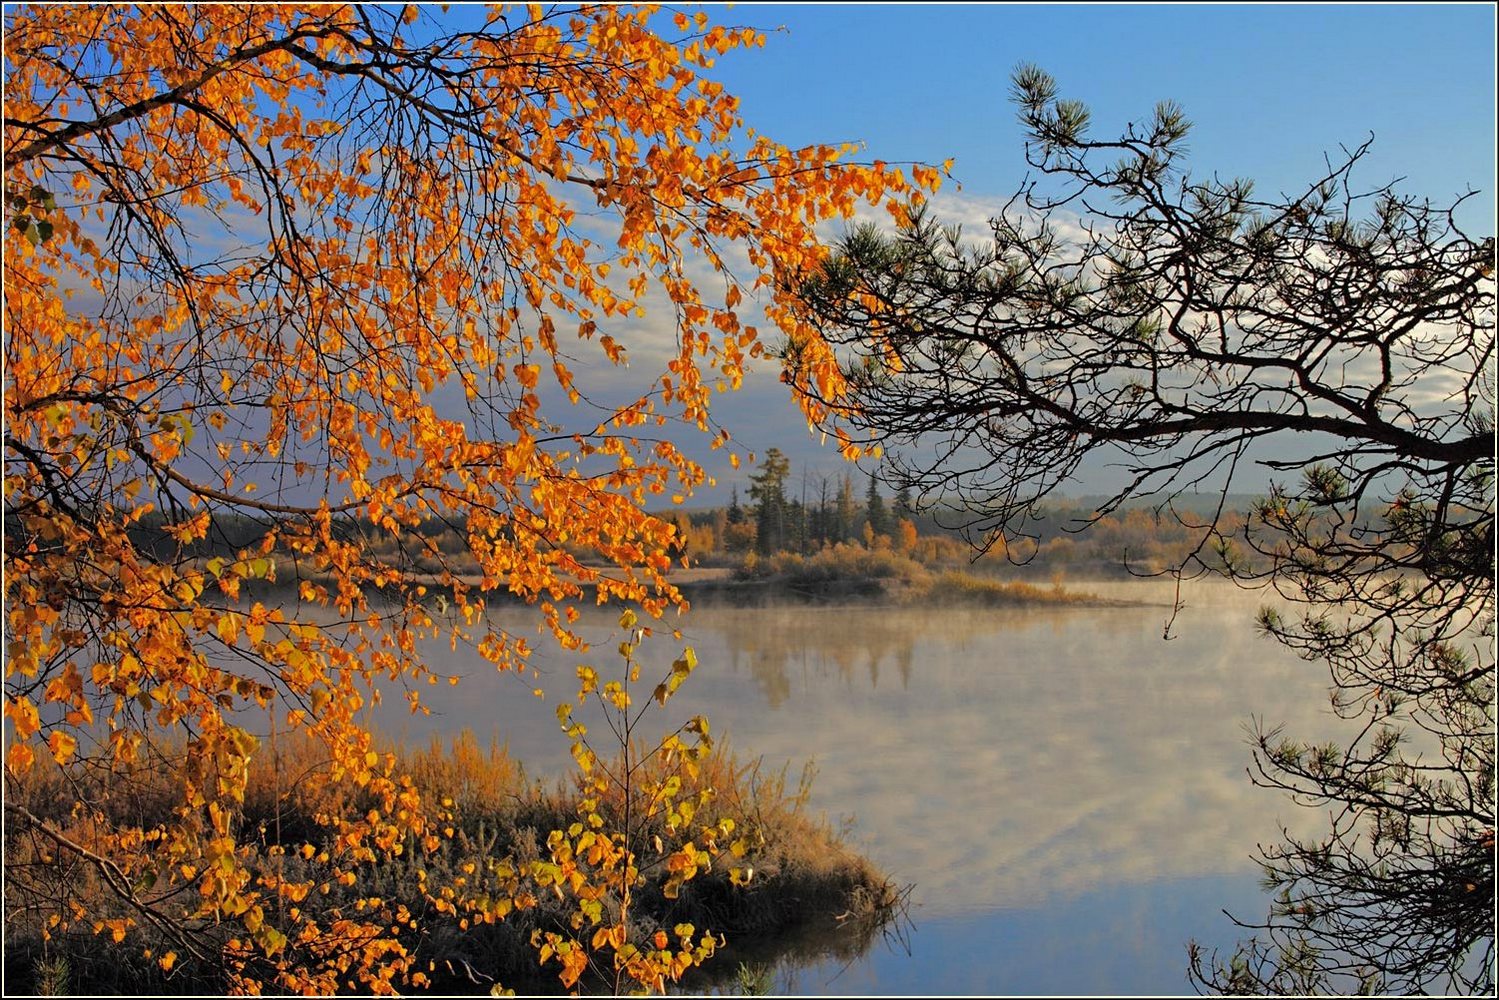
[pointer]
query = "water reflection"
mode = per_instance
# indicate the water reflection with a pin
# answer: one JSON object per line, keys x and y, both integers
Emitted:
{"x": 1005, "y": 759}
{"x": 780, "y": 646}
{"x": 993, "y": 757}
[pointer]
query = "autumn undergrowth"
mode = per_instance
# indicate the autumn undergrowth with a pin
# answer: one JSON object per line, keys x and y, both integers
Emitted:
{"x": 805, "y": 888}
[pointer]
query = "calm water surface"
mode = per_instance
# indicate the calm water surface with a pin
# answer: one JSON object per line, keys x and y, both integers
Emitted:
{"x": 1065, "y": 789}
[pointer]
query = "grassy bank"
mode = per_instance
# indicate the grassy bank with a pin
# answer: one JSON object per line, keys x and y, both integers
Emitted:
{"x": 808, "y": 890}
{"x": 853, "y": 573}
{"x": 828, "y": 577}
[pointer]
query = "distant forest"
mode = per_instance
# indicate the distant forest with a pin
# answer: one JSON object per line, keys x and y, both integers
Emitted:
{"x": 836, "y": 517}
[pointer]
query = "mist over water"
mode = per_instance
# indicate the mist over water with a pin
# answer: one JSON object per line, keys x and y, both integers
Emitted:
{"x": 1065, "y": 765}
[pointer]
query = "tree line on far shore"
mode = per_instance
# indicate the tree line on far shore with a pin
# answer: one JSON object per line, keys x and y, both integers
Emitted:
{"x": 783, "y": 512}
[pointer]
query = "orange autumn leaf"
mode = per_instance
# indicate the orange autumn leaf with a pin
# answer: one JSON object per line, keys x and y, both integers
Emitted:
{"x": 272, "y": 313}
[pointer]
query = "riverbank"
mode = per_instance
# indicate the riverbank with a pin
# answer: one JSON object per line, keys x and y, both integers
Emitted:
{"x": 853, "y": 574}
{"x": 867, "y": 579}
{"x": 847, "y": 574}
{"x": 949, "y": 589}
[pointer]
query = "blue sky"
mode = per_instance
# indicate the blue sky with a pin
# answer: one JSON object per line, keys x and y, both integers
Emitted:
{"x": 1269, "y": 87}
{"x": 1270, "y": 90}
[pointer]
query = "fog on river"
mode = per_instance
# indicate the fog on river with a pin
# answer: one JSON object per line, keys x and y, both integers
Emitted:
{"x": 994, "y": 758}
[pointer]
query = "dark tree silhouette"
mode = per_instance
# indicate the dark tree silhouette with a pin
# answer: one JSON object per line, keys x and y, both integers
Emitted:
{"x": 769, "y": 491}
{"x": 874, "y": 508}
{"x": 1341, "y": 337}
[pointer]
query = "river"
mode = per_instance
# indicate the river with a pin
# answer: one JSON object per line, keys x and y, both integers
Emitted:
{"x": 1065, "y": 789}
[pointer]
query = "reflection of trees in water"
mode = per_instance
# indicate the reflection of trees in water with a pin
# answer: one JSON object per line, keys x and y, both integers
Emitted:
{"x": 776, "y": 643}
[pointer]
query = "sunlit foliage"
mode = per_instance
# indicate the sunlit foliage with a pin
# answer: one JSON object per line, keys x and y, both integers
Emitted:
{"x": 332, "y": 271}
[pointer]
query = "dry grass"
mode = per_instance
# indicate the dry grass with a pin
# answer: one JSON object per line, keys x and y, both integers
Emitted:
{"x": 805, "y": 880}
{"x": 956, "y": 587}
{"x": 853, "y": 572}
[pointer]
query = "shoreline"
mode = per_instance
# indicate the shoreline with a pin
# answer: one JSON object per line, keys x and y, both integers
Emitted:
{"x": 717, "y": 586}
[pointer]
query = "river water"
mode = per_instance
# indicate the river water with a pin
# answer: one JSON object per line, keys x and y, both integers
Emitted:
{"x": 1066, "y": 789}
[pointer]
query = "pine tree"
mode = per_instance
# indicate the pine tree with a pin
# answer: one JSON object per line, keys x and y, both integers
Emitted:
{"x": 874, "y": 508}
{"x": 769, "y": 491}
{"x": 844, "y": 527}
{"x": 903, "y": 506}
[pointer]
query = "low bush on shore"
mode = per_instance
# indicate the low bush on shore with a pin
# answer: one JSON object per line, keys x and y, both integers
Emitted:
{"x": 805, "y": 885}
